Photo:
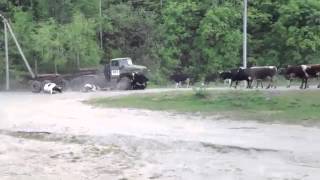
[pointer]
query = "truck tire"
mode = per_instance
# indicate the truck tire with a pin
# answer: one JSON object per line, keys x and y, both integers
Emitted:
{"x": 36, "y": 86}
{"x": 124, "y": 84}
{"x": 144, "y": 86}
{"x": 139, "y": 86}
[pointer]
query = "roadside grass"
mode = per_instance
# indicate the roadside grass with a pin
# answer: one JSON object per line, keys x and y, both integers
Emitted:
{"x": 287, "y": 106}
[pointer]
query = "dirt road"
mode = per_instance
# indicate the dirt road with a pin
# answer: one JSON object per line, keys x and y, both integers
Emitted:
{"x": 59, "y": 137}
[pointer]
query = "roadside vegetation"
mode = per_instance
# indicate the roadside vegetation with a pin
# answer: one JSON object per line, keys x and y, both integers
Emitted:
{"x": 193, "y": 36}
{"x": 270, "y": 106}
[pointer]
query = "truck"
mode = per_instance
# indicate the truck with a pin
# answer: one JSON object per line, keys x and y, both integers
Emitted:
{"x": 118, "y": 74}
{"x": 124, "y": 75}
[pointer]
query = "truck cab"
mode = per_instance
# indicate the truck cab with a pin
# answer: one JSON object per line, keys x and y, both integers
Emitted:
{"x": 125, "y": 74}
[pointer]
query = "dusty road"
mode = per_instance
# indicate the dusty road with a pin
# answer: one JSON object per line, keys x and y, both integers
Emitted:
{"x": 58, "y": 137}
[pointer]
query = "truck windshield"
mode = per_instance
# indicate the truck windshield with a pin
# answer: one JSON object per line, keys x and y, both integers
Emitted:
{"x": 126, "y": 62}
{"x": 114, "y": 63}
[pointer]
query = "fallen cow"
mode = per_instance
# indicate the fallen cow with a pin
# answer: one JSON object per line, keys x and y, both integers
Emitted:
{"x": 89, "y": 88}
{"x": 52, "y": 88}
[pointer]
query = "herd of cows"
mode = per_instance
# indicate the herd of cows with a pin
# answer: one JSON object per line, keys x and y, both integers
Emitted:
{"x": 259, "y": 74}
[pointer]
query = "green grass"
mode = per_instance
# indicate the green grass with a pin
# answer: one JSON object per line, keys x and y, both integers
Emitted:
{"x": 290, "y": 106}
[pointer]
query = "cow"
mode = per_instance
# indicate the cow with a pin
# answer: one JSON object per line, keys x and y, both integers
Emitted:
{"x": 180, "y": 78}
{"x": 299, "y": 71}
{"x": 236, "y": 75}
{"x": 52, "y": 88}
{"x": 90, "y": 88}
{"x": 262, "y": 73}
{"x": 226, "y": 77}
{"x": 257, "y": 73}
{"x": 313, "y": 70}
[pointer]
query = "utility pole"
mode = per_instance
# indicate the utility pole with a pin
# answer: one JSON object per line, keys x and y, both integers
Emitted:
{"x": 100, "y": 12}
{"x": 19, "y": 48}
{"x": 245, "y": 24}
{"x": 7, "y": 25}
{"x": 7, "y": 56}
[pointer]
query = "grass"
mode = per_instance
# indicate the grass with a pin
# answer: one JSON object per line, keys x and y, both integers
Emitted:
{"x": 288, "y": 106}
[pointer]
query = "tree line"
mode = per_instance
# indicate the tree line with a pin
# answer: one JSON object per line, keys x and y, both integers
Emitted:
{"x": 190, "y": 36}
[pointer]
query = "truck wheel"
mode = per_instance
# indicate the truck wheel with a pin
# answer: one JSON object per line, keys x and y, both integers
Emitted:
{"x": 144, "y": 86}
{"x": 36, "y": 87}
{"x": 139, "y": 86}
{"x": 124, "y": 84}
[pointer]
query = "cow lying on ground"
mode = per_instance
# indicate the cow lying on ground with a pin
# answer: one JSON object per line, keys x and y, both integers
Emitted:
{"x": 89, "y": 88}
{"x": 52, "y": 88}
{"x": 257, "y": 73}
{"x": 180, "y": 79}
{"x": 303, "y": 72}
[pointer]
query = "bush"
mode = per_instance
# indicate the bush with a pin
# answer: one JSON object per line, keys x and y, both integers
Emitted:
{"x": 201, "y": 92}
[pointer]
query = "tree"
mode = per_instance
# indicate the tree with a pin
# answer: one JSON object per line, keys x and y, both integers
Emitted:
{"x": 81, "y": 43}
{"x": 48, "y": 45}
{"x": 220, "y": 38}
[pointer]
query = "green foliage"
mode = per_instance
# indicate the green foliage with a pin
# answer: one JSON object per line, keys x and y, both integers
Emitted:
{"x": 82, "y": 49}
{"x": 201, "y": 92}
{"x": 190, "y": 36}
{"x": 220, "y": 38}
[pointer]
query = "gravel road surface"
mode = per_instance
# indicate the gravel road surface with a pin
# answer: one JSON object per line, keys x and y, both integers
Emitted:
{"x": 51, "y": 137}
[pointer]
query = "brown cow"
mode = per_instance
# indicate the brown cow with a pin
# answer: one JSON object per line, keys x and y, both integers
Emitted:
{"x": 262, "y": 73}
{"x": 303, "y": 72}
{"x": 313, "y": 71}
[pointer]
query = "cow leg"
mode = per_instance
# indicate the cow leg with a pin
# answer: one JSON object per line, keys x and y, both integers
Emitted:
{"x": 249, "y": 83}
{"x": 306, "y": 84}
{"x": 261, "y": 84}
{"x": 237, "y": 82}
{"x": 231, "y": 83}
{"x": 188, "y": 82}
{"x": 289, "y": 83}
{"x": 257, "y": 85}
{"x": 302, "y": 83}
{"x": 270, "y": 83}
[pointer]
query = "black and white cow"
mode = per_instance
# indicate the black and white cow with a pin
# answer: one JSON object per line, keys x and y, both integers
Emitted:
{"x": 180, "y": 78}
{"x": 257, "y": 73}
{"x": 52, "y": 88}
{"x": 313, "y": 71}
{"x": 303, "y": 72}
{"x": 236, "y": 75}
{"x": 90, "y": 88}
